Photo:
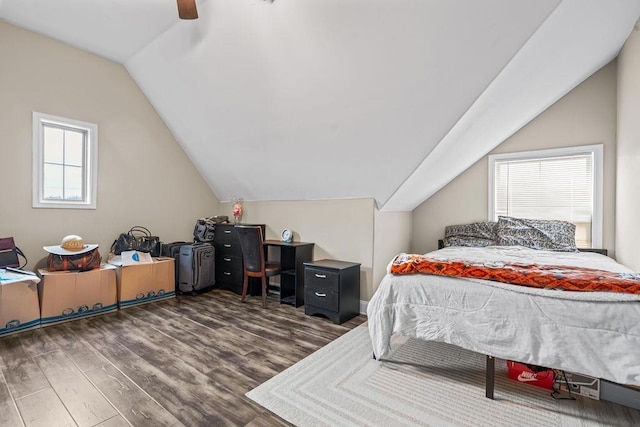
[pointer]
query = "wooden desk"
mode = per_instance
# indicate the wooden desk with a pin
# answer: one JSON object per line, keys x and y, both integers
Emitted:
{"x": 292, "y": 258}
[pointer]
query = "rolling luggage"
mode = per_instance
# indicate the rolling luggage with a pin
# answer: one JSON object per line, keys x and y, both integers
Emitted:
{"x": 196, "y": 267}
{"x": 173, "y": 250}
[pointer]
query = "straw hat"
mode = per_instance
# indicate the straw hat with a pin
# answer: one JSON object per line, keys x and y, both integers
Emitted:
{"x": 70, "y": 245}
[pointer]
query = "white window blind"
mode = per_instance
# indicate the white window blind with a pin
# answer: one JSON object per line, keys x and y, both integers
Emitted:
{"x": 554, "y": 187}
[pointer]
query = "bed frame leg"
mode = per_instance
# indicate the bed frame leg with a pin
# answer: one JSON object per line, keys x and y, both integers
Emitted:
{"x": 490, "y": 376}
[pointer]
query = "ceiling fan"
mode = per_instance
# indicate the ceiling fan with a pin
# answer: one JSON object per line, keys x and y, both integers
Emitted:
{"x": 187, "y": 9}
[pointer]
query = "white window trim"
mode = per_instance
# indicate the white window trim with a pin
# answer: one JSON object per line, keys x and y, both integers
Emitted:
{"x": 598, "y": 165}
{"x": 38, "y": 200}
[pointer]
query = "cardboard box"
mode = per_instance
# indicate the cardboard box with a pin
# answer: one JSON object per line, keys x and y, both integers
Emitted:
{"x": 579, "y": 384}
{"x": 143, "y": 283}
{"x": 19, "y": 306}
{"x": 68, "y": 295}
{"x": 541, "y": 377}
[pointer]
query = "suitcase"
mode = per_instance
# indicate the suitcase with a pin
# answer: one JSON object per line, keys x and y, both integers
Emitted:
{"x": 196, "y": 267}
{"x": 173, "y": 250}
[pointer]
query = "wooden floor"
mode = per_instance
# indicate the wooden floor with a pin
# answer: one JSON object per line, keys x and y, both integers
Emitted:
{"x": 183, "y": 361}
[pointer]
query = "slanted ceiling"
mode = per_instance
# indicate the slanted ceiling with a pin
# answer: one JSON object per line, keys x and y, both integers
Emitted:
{"x": 325, "y": 99}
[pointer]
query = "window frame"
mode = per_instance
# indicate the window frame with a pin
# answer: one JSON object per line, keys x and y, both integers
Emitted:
{"x": 90, "y": 178}
{"x": 597, "y": 150}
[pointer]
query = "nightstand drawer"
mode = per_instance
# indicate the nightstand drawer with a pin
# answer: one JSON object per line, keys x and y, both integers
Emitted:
{"x": 322, "y": 298}
{"x": 321, "y": 279}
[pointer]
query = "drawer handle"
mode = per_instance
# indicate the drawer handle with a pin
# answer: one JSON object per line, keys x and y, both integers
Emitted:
{"x": 227, "y": 246}
{"x": 318, "y": 294}
{"x": 321, "y": 276}
{"x": 227, "y": 259}
{"x": 226, "y": 273}
{"x": 227, "y": 231}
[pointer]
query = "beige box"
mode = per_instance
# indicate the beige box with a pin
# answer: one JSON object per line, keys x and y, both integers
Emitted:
{"x": 19, "y": 306}
{"x": 142, "y": 283}
{"x": 68, "y": 295}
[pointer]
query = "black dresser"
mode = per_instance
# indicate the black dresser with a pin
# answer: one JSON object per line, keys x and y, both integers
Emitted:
{"x": 229, "y": 269}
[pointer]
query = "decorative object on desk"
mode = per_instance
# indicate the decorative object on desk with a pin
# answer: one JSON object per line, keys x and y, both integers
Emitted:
{"x": 72, "y": 255}
{"x": 138, "y": 238}
{"x": 237, "y": 209}
{"x": 9, "y": 253}
{"x": 286, "y": 235}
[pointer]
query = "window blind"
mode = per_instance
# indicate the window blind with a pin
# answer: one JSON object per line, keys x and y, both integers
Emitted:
{"x": 548, "y": 188}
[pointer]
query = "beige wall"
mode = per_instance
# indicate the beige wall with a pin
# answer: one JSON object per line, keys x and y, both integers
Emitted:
{"x": 341, "y": 229}
{"x": 392, "y": 235}
{"x": 586, "y": 115}
{"x": 144, "y": 177}
{"x": 628, "y": 154}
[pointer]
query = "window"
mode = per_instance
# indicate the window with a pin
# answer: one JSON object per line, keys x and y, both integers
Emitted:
{"x": 564, "y": 184}
{"x": 65, "y": 163}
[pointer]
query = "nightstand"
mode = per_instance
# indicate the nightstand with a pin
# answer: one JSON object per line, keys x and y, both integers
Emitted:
{"x": 332, "y": 288}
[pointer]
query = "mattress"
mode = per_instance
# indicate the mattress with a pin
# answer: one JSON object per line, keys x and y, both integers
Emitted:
{"x": 593, "y": 333}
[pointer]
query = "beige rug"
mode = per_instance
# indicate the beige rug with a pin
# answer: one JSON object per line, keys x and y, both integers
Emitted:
{"x": 424, "y": 384}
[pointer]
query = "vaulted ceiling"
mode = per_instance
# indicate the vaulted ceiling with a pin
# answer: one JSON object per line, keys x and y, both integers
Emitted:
{"x": 325, "y": 99}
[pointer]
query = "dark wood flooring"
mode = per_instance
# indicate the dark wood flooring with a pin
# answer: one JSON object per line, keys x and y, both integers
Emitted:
{"x": 184, "y": 361}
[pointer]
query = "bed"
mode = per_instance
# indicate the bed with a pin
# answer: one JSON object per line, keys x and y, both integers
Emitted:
{"x": 592, "y": 333}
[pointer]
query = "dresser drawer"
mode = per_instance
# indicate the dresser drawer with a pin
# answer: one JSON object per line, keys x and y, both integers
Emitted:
{"x": 228, "y": 248}
{"x": 228, "y": 268}
{"x": 321, "y": 279}
{"x": 225, "y": 233}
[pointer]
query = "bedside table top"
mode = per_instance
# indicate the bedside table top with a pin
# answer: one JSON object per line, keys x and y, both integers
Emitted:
{"x": 331, "y": 263}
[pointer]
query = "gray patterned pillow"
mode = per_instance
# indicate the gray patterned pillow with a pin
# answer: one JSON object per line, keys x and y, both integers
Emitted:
{"x": 477, "y": 234}
{"x": 552, "y": 235}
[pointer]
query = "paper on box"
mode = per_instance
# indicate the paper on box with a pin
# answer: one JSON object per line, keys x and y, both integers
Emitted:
{"x": 138, "y": 284}
{"x": 135, "y": 258}
{"x": 67, "y": 295}
{"x": 19, "y": 306}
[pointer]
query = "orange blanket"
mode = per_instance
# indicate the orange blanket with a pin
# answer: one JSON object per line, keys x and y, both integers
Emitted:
{"x": 565, "y": 278}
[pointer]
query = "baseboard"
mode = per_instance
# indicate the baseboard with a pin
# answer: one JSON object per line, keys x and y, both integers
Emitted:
{"x": 363, "y": 307}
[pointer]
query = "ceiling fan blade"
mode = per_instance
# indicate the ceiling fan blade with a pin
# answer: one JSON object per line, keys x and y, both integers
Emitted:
{"x": 187, "y": 9}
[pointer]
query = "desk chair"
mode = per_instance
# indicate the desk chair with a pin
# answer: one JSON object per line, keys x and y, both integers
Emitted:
{"x": 252, "y": 244}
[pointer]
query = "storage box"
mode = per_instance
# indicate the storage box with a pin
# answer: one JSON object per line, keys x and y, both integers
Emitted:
{"x": 540, "y": 377}
{"x": 579, "y": 384}
{"x": 19, "y": 306}
{"x": 142, "y": 283}
{"x": 68, "y": 295}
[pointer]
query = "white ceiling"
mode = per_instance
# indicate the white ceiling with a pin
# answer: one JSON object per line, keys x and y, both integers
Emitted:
{"x": 315, "y": 99}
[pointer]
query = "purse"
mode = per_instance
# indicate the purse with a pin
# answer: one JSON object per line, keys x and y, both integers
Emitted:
{"x": 9, "y": 254}
{"x": 138, "y": 238}
{"x": 81, "y": 262}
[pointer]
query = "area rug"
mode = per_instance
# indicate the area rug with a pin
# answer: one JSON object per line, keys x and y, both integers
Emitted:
{"x": 422, "y": 384}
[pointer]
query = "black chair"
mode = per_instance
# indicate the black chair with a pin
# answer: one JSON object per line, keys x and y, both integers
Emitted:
{"x": 255, "y": 265}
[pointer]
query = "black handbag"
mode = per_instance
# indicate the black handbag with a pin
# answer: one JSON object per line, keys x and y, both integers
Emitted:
{"x": 138, "y": 238}
{"x": 9, "y": 254}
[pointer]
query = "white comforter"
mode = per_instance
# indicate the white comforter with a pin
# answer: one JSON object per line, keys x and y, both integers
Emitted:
{"x": 593, "y": 333}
